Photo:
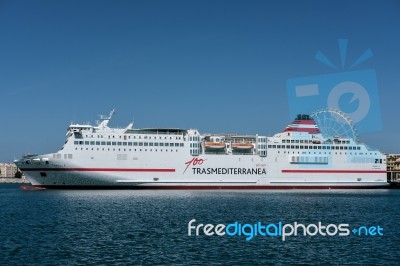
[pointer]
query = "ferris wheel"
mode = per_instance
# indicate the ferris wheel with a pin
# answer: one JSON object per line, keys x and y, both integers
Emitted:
{"x": 334, "y": 123}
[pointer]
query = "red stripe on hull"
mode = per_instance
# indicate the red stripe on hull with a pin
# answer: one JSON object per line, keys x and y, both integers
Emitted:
{"x": 336, "y": 171}
{"x": 102, "y": 169}
{"x": 197, "y": 187}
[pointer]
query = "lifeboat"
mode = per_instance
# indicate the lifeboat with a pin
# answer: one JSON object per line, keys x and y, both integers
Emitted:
{"x": 242, "y": 146}
{"x": 215, "y": 146}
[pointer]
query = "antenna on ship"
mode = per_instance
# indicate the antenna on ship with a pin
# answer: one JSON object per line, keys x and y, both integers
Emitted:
{"x": 105, "y": 119}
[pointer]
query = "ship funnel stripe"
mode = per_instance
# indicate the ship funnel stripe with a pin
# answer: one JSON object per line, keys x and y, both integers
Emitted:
{"x": 309, "y": 130}
{"x": 308, "y": 126}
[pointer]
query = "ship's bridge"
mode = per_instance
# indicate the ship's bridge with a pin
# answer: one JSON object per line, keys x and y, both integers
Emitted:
{"x": 77, "y": 128}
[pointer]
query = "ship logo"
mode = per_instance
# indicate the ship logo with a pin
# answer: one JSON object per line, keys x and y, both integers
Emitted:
{"x": 194, "y": 161}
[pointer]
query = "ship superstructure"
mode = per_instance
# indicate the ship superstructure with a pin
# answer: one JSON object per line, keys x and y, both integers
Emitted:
{"x": 169, "y": 158}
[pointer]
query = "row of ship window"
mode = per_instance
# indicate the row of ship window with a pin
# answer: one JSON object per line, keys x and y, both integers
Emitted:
{"x": 194, "y": 138}
{"x": 360, "y": 153}
{"x": 133, "y": 137}
{"x": 108, "y": 149}
{"x": 120, "y": 143}
{"x": 311, "y": 141}
{"x": 314, "y": 147}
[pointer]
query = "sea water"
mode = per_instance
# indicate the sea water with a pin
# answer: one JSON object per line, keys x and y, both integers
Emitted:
{"x": 60, "y": 227}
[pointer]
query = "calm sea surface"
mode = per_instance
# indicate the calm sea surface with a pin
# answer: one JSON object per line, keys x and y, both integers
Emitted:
{"x": 151, "y": 227}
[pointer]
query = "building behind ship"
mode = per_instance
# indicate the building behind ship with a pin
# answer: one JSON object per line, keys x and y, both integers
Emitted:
{"x": 393, "y": 167}
{"x": 8, "y": 170}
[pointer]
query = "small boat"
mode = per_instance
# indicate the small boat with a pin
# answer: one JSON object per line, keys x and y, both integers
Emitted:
{"x": 214, "y": 143}
{"x": 210, "y": 145}
{"x": 242, "y": 146}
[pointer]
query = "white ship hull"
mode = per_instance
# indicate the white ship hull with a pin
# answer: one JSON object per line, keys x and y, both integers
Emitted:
{"x": 170, "y": 173}
{"x": 138, "y": 161}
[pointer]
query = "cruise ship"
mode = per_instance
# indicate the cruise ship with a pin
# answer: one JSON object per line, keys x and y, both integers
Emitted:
{"x": 299, "y": 157}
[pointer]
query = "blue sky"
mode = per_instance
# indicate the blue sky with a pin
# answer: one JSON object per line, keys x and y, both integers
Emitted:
{"x": 218, "y": 66}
